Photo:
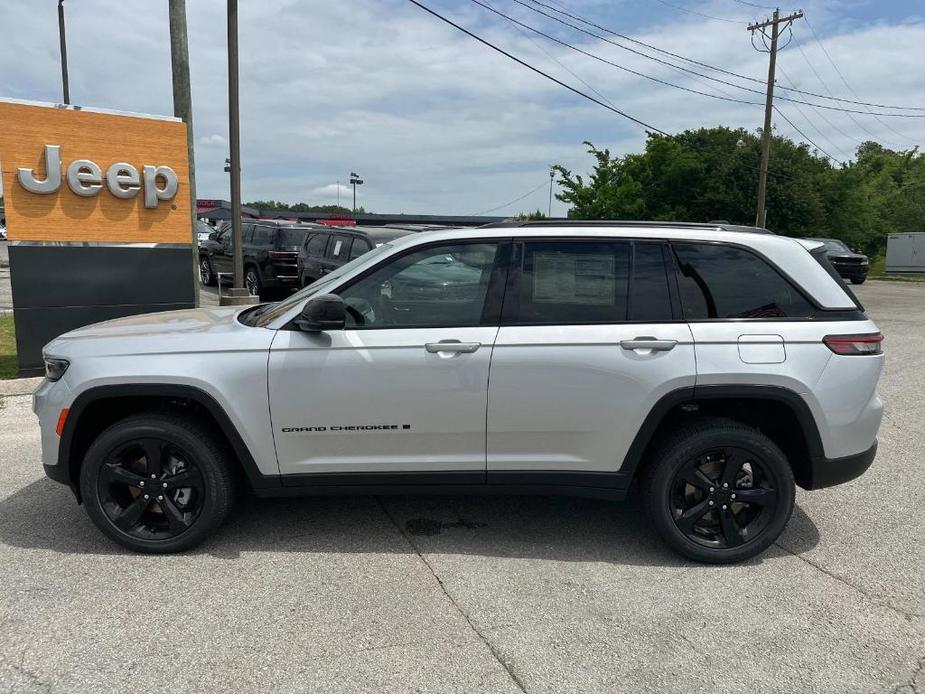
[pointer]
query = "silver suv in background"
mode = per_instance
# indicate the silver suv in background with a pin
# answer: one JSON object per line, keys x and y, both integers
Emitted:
{"x": 715, "y": 368}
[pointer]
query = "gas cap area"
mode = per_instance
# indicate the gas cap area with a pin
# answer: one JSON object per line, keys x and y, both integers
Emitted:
{"x": 762, "y": 349}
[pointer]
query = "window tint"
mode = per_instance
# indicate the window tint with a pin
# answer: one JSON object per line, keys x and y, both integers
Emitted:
{"x": 360, "y": 246}
{"x": 719, "y": 281}
{"x": 570, "y": 282}
{"x": 650, "y": 300}
{"x": 263, "y": 236}
{"x": 441, "y": 286}
{"x": 317, "y": 244}
{"x": 340, "y": 248}
{"x": 290, "y": 237}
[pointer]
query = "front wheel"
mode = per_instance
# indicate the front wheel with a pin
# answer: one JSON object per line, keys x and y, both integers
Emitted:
{"x": 858, "y": 280}
{"x": 252, "y": 281}
{"x": 206, "y": 275}
{"x": 719, "y": 491}
{"x": 156, "y": 483}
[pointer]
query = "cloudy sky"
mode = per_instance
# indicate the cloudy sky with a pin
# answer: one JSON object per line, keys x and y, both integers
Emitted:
{"x": 436, "y": 122}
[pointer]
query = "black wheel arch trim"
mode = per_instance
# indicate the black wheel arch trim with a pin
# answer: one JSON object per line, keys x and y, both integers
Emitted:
{"x": 695, "y": 394}
{"x": 63, "y": 472}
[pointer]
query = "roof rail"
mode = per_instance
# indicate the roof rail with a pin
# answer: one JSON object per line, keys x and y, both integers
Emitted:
{"x": 642, "y": 224}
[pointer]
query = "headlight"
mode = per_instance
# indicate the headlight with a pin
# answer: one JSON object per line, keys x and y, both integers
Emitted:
{"x": 55, "y": 368}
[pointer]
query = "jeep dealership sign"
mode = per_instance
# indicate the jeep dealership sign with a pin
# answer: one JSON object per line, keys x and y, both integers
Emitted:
{"x": 99, "y": 218}
{"x": 78, "y": 174}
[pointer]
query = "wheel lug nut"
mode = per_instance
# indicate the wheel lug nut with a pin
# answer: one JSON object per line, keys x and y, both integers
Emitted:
{"x": 724, "y": 507}
{"x": 711, "y": 502}
{"x": 712, "y": 490}
{"x": 147, "y": 497}
{"x": 141, "y": 484}
{"x": 725, "y": 484}
{"x": 165, "y": 485}
{"x": 152, "y": 476}
{"x": 733, "y": 496}
{"x": 160, "y": 498}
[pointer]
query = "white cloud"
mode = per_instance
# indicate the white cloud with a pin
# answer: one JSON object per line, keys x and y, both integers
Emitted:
{"x": 435, "y": 122}
{"x": 333, "y": 191}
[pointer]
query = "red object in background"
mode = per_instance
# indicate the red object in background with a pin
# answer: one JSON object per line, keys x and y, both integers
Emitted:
{"x": 338, "y": 222}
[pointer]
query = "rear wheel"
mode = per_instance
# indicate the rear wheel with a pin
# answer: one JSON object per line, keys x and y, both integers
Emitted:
{"x": 156, "y": 483}
{"x": 719, "y": 491}
{"x": 206, "y": 275}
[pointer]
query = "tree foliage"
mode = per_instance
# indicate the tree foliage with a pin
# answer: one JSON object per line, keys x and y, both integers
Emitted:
{"x": 280, "y": 206}
{"x": 712, "y": 174}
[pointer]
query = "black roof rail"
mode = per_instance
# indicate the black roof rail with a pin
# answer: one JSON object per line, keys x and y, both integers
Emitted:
{"x": 640, "y": 224}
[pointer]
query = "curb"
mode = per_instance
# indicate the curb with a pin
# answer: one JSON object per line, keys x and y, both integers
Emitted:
{"x": 20, "y": 386}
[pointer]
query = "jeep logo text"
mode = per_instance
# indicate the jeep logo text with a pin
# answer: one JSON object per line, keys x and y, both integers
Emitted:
{"x": 85, "y": 178}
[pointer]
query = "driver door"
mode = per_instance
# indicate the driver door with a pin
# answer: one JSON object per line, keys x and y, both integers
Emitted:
{"x": 400, "y": 395}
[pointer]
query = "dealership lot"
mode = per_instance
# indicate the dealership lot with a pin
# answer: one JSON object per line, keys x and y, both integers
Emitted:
{"x": 465, "y": 594}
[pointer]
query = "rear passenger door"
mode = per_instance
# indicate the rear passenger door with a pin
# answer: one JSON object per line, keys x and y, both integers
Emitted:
{"x": 590, "y": 340}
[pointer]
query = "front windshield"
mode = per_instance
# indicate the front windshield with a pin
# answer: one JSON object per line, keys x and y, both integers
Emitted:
{"x": 835, "y": 245}
{"x": 274, "y": 311}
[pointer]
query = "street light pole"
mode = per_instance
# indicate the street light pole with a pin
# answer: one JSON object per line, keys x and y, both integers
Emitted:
{"x": 552, "y": 175}
{"x": 355, "y": 180}
{"x": 63, "y": 41}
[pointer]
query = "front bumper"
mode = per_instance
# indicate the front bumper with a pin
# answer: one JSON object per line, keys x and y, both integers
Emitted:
{"x": 827, "y": 472}
{"x": 47, "y": 402}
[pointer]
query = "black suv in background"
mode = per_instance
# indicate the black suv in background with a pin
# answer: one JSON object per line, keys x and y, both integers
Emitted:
{"x": 849, "y": 264}
{"x": 327, "y": 248}
{"x": 270, "y": 250}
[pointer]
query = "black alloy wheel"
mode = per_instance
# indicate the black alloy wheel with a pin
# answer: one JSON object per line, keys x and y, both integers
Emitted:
{"x": 718, "y": 491}
{"x": 156, "y": 482}
{"x": 723, "y": 498}
{"x": 150, "y": 489}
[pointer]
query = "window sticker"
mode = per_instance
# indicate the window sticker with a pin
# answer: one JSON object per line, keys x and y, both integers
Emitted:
{"x": 573, "y": 278}
{"x": 337, "y": 246}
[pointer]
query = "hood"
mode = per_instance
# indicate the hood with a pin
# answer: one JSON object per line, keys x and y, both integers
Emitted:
{"x": 193, "y": 330}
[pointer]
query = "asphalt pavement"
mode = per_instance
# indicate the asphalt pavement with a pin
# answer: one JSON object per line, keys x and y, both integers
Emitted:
{"x": 465, "y": 594}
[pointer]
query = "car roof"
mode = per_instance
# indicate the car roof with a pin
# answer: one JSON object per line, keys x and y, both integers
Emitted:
{"x": 631, "y": 224}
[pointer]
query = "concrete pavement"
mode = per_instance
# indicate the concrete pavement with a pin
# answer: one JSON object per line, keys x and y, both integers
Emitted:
{"x": 466, "y": 594}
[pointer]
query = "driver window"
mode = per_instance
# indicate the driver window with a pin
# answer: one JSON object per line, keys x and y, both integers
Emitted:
{"x": 440, "y": 286}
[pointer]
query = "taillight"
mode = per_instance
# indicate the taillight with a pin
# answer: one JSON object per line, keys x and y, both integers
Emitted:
{"x": 854, "y": 344}
{"x": 283, "y": 255}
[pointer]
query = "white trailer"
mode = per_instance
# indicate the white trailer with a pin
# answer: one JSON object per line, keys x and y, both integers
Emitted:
{"x": 905, "y": 253}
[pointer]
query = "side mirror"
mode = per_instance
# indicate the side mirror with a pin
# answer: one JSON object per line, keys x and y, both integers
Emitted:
{"x": 323, "y": 312}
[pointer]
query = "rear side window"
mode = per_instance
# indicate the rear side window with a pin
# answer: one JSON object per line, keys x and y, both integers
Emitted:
{"x": 718, "y": 281}
{"x": 290, "y": 237}
{"x": 564, "y": 282}
{"x": 263, "y": 236}
{"x": 360, "y": 246}
{"x": 340, "y": 248}
{"x": 316, "y": 245}
{"x": 650, "y": 298}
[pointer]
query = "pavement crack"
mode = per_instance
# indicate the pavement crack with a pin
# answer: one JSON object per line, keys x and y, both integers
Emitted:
{"x": 905, "y": 613}
{"x": 481, "y": 636}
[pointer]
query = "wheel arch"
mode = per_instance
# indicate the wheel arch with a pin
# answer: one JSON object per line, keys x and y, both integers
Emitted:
{"x": 778, "y": 412}
{"x": 98, "y": 408}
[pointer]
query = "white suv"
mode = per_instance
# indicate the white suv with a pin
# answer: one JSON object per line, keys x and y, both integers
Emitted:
{"x": 715, "y": 367}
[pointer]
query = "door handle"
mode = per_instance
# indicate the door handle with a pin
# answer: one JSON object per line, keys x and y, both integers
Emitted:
{"x": 650, "y": 343}
{"x": 452, "y": 346}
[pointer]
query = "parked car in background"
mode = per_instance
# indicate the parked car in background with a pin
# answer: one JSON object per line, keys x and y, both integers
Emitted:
{"x": 327, "y": 248}
{"x": 203, "y": 231}
{"x": 848, "y": 263}
{"x": 2, "y": 233}
{"x": 270, "y": 251}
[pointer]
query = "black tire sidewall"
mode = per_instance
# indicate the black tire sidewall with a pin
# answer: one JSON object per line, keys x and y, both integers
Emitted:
{"x": 257, "y": 283}
{"x": 205, "y": 262}
{"x": 662, "y": 474}
{"x": 205, "y": 455}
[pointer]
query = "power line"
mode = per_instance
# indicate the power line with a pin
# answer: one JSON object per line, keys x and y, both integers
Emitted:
{"x": 576, "y": 17}
{"x": 701, "y": 14}
{"x": 821, "y": 115}
{"x": 609, "y": 62}
{"x": 508, "y": 204}
{"x": 805, "y": 136}
{"x": 536, "y": 70}
{"x": 751, "y": 4}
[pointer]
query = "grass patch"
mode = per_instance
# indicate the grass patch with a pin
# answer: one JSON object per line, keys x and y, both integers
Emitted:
{"x": 877, "y": 271}
{"x": 9, "y": 362}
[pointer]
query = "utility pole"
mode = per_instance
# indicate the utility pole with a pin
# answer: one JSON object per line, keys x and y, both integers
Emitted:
{"x": 552, "y": 175}
{"x": 237, "y": 295}
{"x": 183, "y": 109}
{"x": 776, "y": 23}
{"x": 63, "y": 42}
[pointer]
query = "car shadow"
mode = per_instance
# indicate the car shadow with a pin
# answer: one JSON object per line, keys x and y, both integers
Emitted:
{"x": 44, "y": 516}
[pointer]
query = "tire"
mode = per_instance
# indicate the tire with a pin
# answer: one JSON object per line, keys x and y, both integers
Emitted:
{"x": 252, "y": 281}
{"x": 206, "y": 273}
{"x": 724, "y": 529}
{"x": 858, "y": 280}
{"x": 193, "y": 473}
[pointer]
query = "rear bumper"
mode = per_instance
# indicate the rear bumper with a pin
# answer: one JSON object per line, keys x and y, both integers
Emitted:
{"x": 827, "y": 472}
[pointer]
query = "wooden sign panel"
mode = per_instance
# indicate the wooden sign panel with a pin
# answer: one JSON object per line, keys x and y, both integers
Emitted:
{"x": 145, "y": 199}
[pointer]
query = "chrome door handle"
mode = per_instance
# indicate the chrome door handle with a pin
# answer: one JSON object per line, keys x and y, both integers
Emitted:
{"x": 650, "y": 343}
{"x": 452, "y": 346}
